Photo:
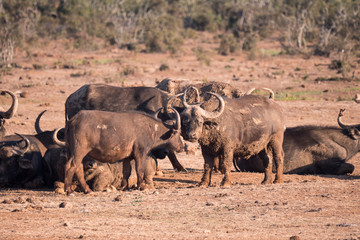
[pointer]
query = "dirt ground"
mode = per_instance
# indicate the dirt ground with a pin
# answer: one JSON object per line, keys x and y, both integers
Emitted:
{"x": 304, "y": 207}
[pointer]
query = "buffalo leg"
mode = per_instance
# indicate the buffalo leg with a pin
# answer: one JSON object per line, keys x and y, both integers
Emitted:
{"x": 267, "y": 161}
{"x": 80, "y": 175}
{"x": 278, "y": 156}
{"x": 74, "y": 165}
{"x": 150, "y": 169}
{"x": 217, "y": 164}
{"x": 227, "y": 162}
{"x": 69, "y": 174}
{"x": 175, "y": 163}
{"x": 140, "y": 159}
{"x": 208, "y": 166}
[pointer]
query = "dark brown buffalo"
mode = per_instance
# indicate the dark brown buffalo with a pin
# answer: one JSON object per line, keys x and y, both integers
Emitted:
{"x": 111, "y": 137}
{"x": 118, "y": 99}
{"x": 9, "y": 113}
{"x": 20, "y": 164}
{"x": 314, "y": 150}
{"x": 38, "y": 145}
{"x": 241, "y": 127}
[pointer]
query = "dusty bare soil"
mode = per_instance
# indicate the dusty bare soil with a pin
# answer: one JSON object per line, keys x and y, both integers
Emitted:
{"x": 304, "y": 207}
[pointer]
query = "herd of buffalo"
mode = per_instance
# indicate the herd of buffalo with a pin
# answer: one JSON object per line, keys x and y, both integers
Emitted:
{"x": 113, "y": 137}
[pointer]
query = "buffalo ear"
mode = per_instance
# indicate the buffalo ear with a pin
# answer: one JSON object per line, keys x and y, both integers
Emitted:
{"x": 354, "y": 133}
{"x": 25, "y": 163}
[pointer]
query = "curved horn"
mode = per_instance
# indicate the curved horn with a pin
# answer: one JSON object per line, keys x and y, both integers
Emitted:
{"x": 56, "y": 140}
{"x": 272, "y": 94}
{"x": 169, "y": 102}
{"x": 250, "y": 91}
{"x": 14, "y": 106}
{"x": 37, "y": 122}
{"x": 178, "y": 120}
{"x": 27, "y": 144}
{"x": 156, "y": 114}
{"x": 342, "y": 125}
{"x": 197, "y": 98}
{"x": 207, "y": 114}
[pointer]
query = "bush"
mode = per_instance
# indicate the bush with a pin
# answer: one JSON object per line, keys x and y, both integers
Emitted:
{"x": 228, "y": 44}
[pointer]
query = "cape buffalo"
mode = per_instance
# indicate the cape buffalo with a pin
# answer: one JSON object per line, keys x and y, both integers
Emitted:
{"x": 105, "y": 176}
{"x": 110, "y": 137}
{"x": 20, "y": 164}
{"x": 241, "y": 127}
{"x": 38, "y": 145}
{"x": 314, "y": 150}
{"x": 9, "y": 113}
{"x": 118, "y": 99}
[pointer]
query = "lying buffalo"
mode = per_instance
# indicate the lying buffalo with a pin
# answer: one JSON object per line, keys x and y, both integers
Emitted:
{"x": 118, "y": 99}
{"x": 7, "y": 114}
{"x": 240, "y": 127}
{"x": 37, "y": 146}
{"x": 98, "y": 175}
{"x": 313, "y": 150}
{"x": 106, "y": 176}
{"x": 111, "y": 137}
{"x": 20, "y": 164}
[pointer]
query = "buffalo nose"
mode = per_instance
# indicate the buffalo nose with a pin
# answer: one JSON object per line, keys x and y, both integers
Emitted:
{"x": 191, "y": 136}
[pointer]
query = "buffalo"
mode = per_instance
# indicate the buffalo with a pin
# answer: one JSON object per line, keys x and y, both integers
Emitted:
{"x": 38, "y": 144}
{"x": 118, "y": 99}
{"x": 241, "y": 127}
{"x": 111, "y": 137}
{"x": 314, "y": 150}
{"x": 118, "y": 175}
{"x": 20, "y": 164}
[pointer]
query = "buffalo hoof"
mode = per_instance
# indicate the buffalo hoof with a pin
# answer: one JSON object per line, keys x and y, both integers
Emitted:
{"x": 88, "y": 190}
{"x": 279, "y": 181}
{"x": 203, "y": 185}
{"x": 60, "y": 191}
{"x": 226, "y": 184}
{"x": 159, "y": 173}
{"x": 267, "y": 181}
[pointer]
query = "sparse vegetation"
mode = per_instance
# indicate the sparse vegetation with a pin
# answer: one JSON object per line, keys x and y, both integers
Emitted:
{"x": 307, "y": 27}
{"x": 164, "y": 67}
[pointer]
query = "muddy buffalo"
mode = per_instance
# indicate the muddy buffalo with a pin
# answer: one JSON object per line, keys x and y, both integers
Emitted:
{"x": 240, "y": 127}
{"x": 118, "y": 99}
{"x": 111, "y": 137}
{"x": 314, "y": 150}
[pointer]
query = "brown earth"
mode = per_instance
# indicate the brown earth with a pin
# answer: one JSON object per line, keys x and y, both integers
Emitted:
{"x": 304, "y": 207}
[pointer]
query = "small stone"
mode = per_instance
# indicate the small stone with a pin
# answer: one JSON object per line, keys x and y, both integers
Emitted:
{"x": 67, "y": 224}
{"x": 6, "y": 201}
{"x": 20, "y": 200}
{"x": 65, "y": 205}
{"x": 118, "y": 198}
